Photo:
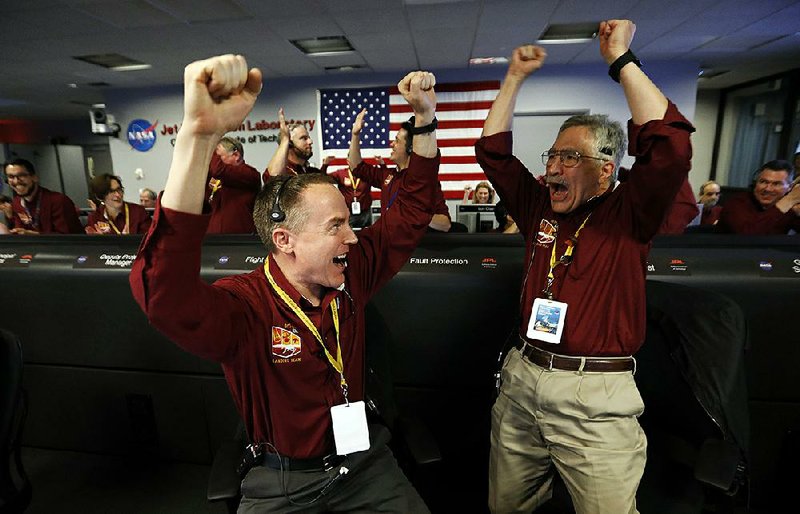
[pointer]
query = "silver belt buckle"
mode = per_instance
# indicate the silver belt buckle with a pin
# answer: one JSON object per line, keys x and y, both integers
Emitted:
{"x": 550, "y": 366}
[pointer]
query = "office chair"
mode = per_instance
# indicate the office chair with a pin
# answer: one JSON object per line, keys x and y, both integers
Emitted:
{"x": 15, "y": 488}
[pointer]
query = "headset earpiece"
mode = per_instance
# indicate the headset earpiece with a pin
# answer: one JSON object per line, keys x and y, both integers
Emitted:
{"x": 276, "y": 215}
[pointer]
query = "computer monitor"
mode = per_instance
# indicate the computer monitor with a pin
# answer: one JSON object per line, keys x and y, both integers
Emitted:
{"x": 478, "y": 217}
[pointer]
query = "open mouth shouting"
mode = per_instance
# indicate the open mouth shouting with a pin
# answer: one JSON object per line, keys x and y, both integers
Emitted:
{"x": 341, "y": 261}
{"x": 558, "y": 189}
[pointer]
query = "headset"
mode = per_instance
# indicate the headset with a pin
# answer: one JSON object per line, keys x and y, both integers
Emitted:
{"x": 276, "y": 214}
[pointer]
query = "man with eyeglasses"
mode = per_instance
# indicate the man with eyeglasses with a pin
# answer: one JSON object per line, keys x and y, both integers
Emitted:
{"x": 567, "y": 400}
{"x": 771, "y": 208}
{"x": 709, "y": 197}
{"x": 38, "y": 210}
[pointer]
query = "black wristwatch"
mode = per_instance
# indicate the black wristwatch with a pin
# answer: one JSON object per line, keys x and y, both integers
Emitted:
{"x": 622, "y": 60}
{"x": 425, "y": 129}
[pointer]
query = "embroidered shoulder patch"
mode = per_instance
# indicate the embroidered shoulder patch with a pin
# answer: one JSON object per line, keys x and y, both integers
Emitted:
{"x": 285, "y": 343}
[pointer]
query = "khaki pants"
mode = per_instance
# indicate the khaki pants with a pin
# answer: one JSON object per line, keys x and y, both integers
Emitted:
{"x": 584, "y": 424}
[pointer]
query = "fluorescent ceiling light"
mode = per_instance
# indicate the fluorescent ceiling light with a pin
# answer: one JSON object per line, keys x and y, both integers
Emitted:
{"x": 475, "y": 61}
{"x": 323, "y": 45}
{"x": 348, "y": 67}
{"x": 568, "y": 33}
{"x": 114, "y": 62}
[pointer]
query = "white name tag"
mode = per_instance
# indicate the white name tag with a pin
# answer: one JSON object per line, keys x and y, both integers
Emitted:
{"x": 350, "y": 431}
{"x": 355, "y": 207}
{"x": 547, "y": 320}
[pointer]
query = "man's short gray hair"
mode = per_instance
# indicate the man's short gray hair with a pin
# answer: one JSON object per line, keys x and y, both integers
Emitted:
{"x": 609, "y": 136}
{"x": 290, "y": 202}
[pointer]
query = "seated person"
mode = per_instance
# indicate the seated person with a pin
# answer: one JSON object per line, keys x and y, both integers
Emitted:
{"x": 770, "y": 208}
{"x": 390, "y": 180}
{"x": 709, "y": 196}
{"x": 147, "y": 198}
{"x": 484, "y": 194}
{"x": 294, "y": 151}
{"x": 231, "y": 189}
{"x": 37, "y": 210}
{"x": 505, "y": 223}
{"x": 113, "y": 215}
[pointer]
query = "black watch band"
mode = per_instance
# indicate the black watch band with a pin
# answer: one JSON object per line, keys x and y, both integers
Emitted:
{"x": 425, "y": 129}
{"x": 622, "y": 60}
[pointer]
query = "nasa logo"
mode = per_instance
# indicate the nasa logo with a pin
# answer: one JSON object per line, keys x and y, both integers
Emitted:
{"x": 142, "y": 135}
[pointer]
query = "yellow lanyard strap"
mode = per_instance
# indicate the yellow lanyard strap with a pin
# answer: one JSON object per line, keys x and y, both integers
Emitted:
{"x": 126, "y": 229}
{"x": 337, "y": 363}
{"x": 566, "y": 258}
{"x": 354, "y": 182}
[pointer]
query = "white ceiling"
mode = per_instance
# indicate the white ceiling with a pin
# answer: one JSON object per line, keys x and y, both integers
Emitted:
{"x": 752, "y": 38}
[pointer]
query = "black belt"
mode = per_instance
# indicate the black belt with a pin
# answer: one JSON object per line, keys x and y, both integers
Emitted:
{"x": 551, "y": 361}
{"x": 325, "y": 463}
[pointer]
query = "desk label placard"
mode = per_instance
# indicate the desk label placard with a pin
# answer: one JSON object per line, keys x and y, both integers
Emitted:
{"x": 110, "y": 260}
{"x": 779, "y": 268}
{"x": 243, "y": 262}
{"x": 15, "y": 259}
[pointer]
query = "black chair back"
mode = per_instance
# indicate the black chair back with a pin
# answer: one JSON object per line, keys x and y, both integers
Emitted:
{"x": 15, "y": 488}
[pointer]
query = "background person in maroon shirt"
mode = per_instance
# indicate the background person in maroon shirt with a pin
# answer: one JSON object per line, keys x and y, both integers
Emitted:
{"x": 568, "y": 401}
{"x": 231, "y": 190}
{"x": 113, "y": 215}
{"x": 709, "y": 197}
{"x": 773, "y": 206}
{"x": 38, "y": 210}
{"x": 295, "y": 148}
{"x": 355, "y": 190}
{"x": 290, "y": 334}
{"x": 388, "y": 181}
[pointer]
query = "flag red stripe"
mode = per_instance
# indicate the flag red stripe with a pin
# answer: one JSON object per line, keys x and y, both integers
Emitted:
{"x": 445, "y": 159}
{"x": 448, "y": 124}
{"x": 458, "y": 88}
{"x": 447, "y": 106}
{"x": 456, "y": 142}
{"x": 477, "y": 176}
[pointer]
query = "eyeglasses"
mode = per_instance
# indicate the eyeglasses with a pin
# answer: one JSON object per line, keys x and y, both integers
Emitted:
{"x": 17, "y": 176}
{"x": 120, "y": 190}
{"x": 569, "y": 158}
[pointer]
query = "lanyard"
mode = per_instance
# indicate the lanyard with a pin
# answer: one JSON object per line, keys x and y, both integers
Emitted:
{"x": 354, "y": 182}
{"x": 337, "y": 363}
{"x": 126, "y": 229}
{"x": 33, "y": 219}
{"x": 565, "y": 259}
{"x": 215, "y": 184}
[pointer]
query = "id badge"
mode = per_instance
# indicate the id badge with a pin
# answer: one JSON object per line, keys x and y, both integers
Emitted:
{"x": 350, "y": 432}
{"x": 355, "y": 207}
{"x": 547, "y": 320}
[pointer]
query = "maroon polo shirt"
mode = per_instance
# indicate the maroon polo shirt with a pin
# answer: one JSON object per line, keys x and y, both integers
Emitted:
{"x": 742, "y": 214}
{"x": 389, "y": 181}
{"x": 233, "y": 202}
{"x": 48, "y": 212}
{"x": 281, "y": 384}
{"x": 138, "y": 220}
{"x": 346, "y": 186}
{"x": 711, "y": 216}
{"x": 604, "y": 284}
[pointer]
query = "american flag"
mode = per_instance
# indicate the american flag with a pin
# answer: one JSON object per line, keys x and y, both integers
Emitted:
{"x": 461, "y": 109}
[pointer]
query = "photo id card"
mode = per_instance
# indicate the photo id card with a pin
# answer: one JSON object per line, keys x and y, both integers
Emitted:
{"x": 547, "y": 320}
{"x": 355, "y": 207}
{"x": 350, "y": 432}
